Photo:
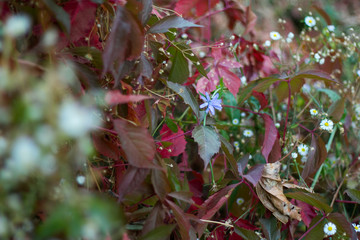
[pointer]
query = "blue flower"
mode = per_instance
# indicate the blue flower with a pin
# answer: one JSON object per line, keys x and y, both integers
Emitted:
{"x": 211, "y": 103}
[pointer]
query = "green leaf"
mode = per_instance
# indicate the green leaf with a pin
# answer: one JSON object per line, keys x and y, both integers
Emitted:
{"x": 334, "y": 96}
{"x": 318, "y": 231}
{"x": 188, "y": 53}
{"x": 282, "y": 90}
{"x": 179, "y": 71}
{"x": 90, "y": 53}
{"x": 270, "y": 228}
{"x": 160, "y": 232}
{"x": 186, "y": 94}
{"x": 60, "y": 14}
{"x": 342, "y": 225}
{"x": 311, "y": 198}
{"x": 172, "y": 21}
{"x": 228, "y": 149}
{"x": 353, "y": 194}
{"x": 171, "y": 124}
{"x": 315, "y": 75}
{"x": 208, "y": 140}
{"x": 259, "y": 85}
{"x": 246, "y": 234}
{"x": 336, "y": 110}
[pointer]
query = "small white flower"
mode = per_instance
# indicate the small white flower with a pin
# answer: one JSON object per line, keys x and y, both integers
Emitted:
{"x": 243, "y": 80}
{"x": 243, "y": 114}
{"x": 304, "y": 159}
{"x": 330, "y": 229}
{"x": 235, "y": 121}
{"x": 248, "y": 133}
{"x": 277, "y": 125}
{"x": 331, "y": 28}
{"x": 290, "y": 35}
{"x": 358, "y": 72}
{"x": 326, "y": 125}
{"x": 239, "y": 201}
{"x": 314, "y": 112}
{"x": 184, "y": 36}
{"x": 236, "y": 144}
{"x": 275, "y": 35}
{"x": 294, "y": 155}
{"x": 356, "y": 227}
{"x": 267, "y": 43}
{"x": 80, "y": 180}
{"x": 322, "y": 61}
{"x": 288, "y": 40}
{"x": 17, "y": 25}
{"x": 317, "y": 57}
{"x": 310, "y": 21}
{"x": 303, "y": 149}
{"x": 202, "y": 54}
{"x": 76, "y": 120}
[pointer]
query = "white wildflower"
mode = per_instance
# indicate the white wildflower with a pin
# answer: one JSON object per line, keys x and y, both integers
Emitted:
{"x": 356, "y": 227}
{"x": 76, "y": 120}
{"x": 294, "y": 155}
{"x": 267, "y": 43}
{"x": 184, "y": 36}
{"x": 314, "y": 112}
{"x": 243, "y": 80}
{"x": 236, "y": 144}
{"x": 310, "y": 21}
{"x": 326, "y": 125}
{"x": 202, "y": 54}
{"x": 239, "y": 201}
{"x": 322, "y": 61}
{"x": 358, "y": 72}
{"x": 330, "y": 229}
{"x": 80, "y": 180}
{"x": 331, "y": 28}
{"x": 303, "y": 149}
{"x": 275, "y": 35}
{"x": 248, "y": 133}
{"x": 235, "y": 121}
{"x": 17, "y": 25}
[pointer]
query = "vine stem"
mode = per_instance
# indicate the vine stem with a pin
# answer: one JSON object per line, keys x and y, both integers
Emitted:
{"x": 312, "y": 227}
{"x": 212, "y": 174}
{"x": 287, "y": 110}
{"x": 328, "y": 145}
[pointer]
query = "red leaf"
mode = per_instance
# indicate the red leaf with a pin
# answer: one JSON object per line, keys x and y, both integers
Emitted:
{"x": 137, "y": 144}
{"x": 261, "y": 98}
{"x": 115, "y": 97}
{"x": 275, "y": 153}
{"x": 105, "y": 145}
{"x": 208, "y": 84}
{"x": 250, "y": 20}
{"x": 181, "y": 219}
{"x": 183, "y": 7}
{"x": 307, "y": 212}
{"x": 254, "y": 174}
{"x": 230, "y": 64}
{"x": 231, "y": 80}
{"x": 125, "y": 41}
{"x": 131, "y": 180}
{"x": 203, "y": 6}
{"x": 212, "y": 205}
{"x": 177, "y": 139}
{"x": 82, "y": 14}
{"x": 316, "y": 157}
{"x": 271, "y": 134}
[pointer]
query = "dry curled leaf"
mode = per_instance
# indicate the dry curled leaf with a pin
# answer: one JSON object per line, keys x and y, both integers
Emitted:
{"x": 271, "y": 194}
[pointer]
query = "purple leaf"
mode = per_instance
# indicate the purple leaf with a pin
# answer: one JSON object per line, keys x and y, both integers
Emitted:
{"x": 254, "y": 174}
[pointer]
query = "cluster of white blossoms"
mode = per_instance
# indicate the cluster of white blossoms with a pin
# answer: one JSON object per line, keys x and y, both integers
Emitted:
{"x": 290, "y": 37}
{"x": 248, "y": 133}
{"x": 329, "y": 229}
{"x": 327, "y": 125}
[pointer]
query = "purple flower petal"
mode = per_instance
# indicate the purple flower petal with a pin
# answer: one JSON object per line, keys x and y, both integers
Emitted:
{"x": 203, "y": 98}
{"x": 204, "y": 105}
{"x": 207, "y": 97}
{"x": 212, "y": 110}
{"x": 215, "y": 96}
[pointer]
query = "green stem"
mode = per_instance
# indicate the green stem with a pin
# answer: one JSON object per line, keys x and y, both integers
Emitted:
{"x": 205, "y": 119}
{"x": 183, "y": 115}
{"x": 298, "y": 172}
{"x": 212, "y": 173}
{"x": 328, "y": 145}
{"x": 158, "y": 126}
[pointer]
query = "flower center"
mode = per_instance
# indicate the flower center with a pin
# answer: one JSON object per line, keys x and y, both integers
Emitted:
{"x": 303, "y": 149}
{"x": 310, "y": 21}
{"x": 326, "y": 124}
{"x": 329, "y": 228}
{"x": 356, "y": 227}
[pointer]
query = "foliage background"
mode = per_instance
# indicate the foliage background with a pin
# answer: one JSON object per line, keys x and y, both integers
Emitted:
{"x": 102, "y": 136}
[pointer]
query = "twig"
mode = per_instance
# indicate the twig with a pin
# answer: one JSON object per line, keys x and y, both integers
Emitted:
{"x": 336, "y": 193}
